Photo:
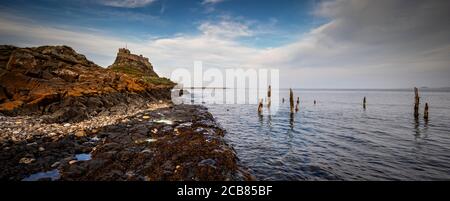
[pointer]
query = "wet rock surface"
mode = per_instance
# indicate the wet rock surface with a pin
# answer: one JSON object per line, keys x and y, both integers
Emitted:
{"x": 159, "y": 142}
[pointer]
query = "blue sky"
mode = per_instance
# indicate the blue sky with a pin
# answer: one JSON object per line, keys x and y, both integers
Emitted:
{"x": 166, "y": 18}
{"x": 315, "y": 44}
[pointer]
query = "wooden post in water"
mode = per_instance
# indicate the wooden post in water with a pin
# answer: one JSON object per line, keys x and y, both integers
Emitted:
{"x": 269, "y": 94}
{"x": 181, "y": 92}
{"x": 260, "y": 106}
{"x": 282, "y": 100}
{"x": 416, "y": 102}
{"x": 425, "y": 112}
{"x": 291, "y": 100}
{"x": 364, "y": 102}
{"x": 314, "y": 102}
{"x": 297, "y": 105}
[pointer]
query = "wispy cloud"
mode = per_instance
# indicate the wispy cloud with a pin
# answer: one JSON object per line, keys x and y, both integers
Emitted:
{"x": 126, "y": 3}
{"x": 385, "y": 46}
{"x": 225, "y": 29}
{"x": 209, "y": 5}
{"x": 204, "y": 2}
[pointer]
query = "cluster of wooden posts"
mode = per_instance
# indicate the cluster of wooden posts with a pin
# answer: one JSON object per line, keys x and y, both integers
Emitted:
{"x": 297, "y": 105}
{"x": 416, "y": 105}
{"x": 291, "y": 101}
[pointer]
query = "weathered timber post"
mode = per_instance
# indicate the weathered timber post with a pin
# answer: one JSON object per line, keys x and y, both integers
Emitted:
{"x": 416, "y": 102}
{"x": 181, "y": 92}
{"x": 425, "y": 112}
{"x": 260, "y": 106}
{"x": 364, "y": 102}
{"x": 314, "y": 102}
{"x": 297, "y": 105}
{"x": 269, "y": 94}
{"x": 291, "y": 100}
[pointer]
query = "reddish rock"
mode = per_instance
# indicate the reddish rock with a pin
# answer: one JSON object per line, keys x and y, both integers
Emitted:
{"x": 57, "y": 81}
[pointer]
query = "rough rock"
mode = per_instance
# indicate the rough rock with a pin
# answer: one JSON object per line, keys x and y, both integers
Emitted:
{"x": 58, "y": 82}
{"x": 127, "y": 150}
{"x": 62, "y": 114}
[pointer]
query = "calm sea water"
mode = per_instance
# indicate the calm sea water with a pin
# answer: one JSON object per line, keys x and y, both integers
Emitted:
{"x": 337, "y": 139}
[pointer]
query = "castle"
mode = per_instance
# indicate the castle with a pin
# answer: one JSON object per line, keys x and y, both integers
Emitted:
{"x": 134, "y": 64}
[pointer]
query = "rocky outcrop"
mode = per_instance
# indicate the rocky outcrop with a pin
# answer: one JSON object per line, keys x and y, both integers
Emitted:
{"x": 58, "y": 82}
{"x": 85, "y": 122}
{"x": 133, "y": 64}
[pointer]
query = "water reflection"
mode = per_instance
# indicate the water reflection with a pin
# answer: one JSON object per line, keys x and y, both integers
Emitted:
{"x": 260, "y": 118}
{"x": 416, "y": 127}
{"x": 338, "y": 140}
{"x": 291, "y": 121}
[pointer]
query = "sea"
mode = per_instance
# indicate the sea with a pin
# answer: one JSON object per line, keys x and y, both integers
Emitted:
{"x": 336, "y": 138}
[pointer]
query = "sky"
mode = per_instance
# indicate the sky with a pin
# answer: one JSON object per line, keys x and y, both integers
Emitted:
{"x": 313, "y": 43}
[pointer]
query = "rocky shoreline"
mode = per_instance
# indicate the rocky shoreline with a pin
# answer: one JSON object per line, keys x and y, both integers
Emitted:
{"x": 62, "y": 117}
{"x": 161, "y": 142}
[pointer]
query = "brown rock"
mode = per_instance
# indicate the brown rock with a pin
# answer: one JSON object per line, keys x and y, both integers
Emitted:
{"x": 59, "y": 82}
{"x": 80, "y": 133}
{"x": 26, "y": 160}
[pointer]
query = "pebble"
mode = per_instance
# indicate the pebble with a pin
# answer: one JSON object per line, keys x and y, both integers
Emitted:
{"x": 26, "y": 160}
{"x": 66, "y": 125}
{"x": 41, "y": 149}
{"x": 80, "y": 133}
{"x": 146, "y": 151}
{"x": 164, "y": 121}
{"x": 72, "y": 162}
{"x": 55, "y": 164}
{"x": 31, "y": 144}
{"x": 146, "y": 117}
{"x": 151, "y": 140}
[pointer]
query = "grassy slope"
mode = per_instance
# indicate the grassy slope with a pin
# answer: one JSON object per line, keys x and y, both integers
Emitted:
{"x": 137, "y": 74}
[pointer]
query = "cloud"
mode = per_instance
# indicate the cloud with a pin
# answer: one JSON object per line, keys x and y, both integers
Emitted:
{"x": 126, "y": 3}
{"x": 372, "y": 44}
{"x": 204, "y": 2}
{"x": 213, "y": 47}
{"x": 376, "y": 43}
{"x": 225, "y": 29}
{"x": 209, "y": 5}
